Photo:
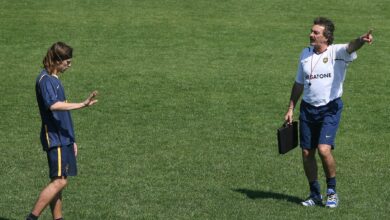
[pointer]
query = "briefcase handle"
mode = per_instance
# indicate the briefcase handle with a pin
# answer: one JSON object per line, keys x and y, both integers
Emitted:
{"x": 286, "y": 124}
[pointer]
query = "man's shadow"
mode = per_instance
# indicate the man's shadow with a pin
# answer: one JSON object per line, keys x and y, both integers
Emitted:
{"x": 258, "y": 194}
{"x": 2, "y": 218}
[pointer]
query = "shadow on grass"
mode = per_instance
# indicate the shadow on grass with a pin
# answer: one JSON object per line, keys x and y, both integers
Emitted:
{"x": 2, "y": 218}
{"x": 258, "y": 194}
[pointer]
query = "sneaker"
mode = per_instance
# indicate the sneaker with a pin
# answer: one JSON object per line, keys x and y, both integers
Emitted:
{"x": 332, "y": 201}
{"x": 31, "y": 217}
{"x": 313, "y": 201}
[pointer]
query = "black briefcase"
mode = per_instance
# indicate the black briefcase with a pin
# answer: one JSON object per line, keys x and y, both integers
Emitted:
{"x": 288, "y": 137}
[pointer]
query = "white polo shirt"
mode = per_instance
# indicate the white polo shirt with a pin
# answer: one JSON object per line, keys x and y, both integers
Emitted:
{"x": 323, "y": 74}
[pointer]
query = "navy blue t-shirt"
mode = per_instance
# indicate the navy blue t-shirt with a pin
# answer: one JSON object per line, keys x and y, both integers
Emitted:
{"x": 57, "y": 126}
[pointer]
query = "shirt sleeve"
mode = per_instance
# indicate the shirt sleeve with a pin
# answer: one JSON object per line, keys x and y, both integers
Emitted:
{"x": 300, "y": 78}
{"x": 48, "y": 92}
{"x": 341, "y": 53}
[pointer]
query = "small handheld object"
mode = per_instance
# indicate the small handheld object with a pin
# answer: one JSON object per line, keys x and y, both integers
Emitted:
{"x": 287, "y": 137}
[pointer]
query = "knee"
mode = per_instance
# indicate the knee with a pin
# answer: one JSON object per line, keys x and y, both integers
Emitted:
{"x": 307, "y": 154}
{"x": 60, "y": 182}
{"x": 325, "y": 150}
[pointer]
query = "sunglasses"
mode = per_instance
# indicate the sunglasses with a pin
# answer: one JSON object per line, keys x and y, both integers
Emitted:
{"x": 68, "y": 61}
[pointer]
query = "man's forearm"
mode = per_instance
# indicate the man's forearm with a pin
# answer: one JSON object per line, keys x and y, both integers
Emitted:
{"x": 355, "y": 45}
{"x": 64, "y": 106}
{"x": 296, "y": 92}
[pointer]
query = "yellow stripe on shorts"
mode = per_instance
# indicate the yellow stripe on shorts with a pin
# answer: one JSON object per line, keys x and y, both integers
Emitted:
{"x": 59, "y": 161}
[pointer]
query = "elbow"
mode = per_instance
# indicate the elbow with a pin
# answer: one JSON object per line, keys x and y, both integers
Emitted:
{"x": 299, "y": 86}
{"x": 54, "y": 106}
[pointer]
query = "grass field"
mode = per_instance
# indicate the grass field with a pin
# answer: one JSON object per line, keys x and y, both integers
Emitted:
{"x": 190, "y": 96}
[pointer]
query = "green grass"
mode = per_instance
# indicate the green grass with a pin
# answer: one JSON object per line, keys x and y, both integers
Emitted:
{"x": 190, "y": 96}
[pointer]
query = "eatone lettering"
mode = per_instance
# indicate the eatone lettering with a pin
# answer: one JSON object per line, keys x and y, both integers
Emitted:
{"x": 319, "y": 76}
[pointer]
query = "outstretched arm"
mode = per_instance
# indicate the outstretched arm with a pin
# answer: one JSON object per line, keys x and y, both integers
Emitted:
{"x": 296, "y": 92}
{"x": 356, "y": 44}
{"x": 64, "y": 106}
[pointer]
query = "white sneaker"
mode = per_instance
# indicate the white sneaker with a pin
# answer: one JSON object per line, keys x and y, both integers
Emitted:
{"x": 313, "y": 201}
{"x": 332, "y": 201}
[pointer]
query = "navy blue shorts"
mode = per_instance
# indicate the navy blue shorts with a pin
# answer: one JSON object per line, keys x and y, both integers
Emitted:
{"x": 318, "y": 125}
{"x": 62, "y": 161}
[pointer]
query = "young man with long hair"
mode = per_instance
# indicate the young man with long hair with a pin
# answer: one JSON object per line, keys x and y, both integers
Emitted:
{"x": 57, "y": 134}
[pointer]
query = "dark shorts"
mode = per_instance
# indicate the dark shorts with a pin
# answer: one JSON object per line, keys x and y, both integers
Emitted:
{"x": 62, "y": 161}
{"x": 318, "y": 125}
